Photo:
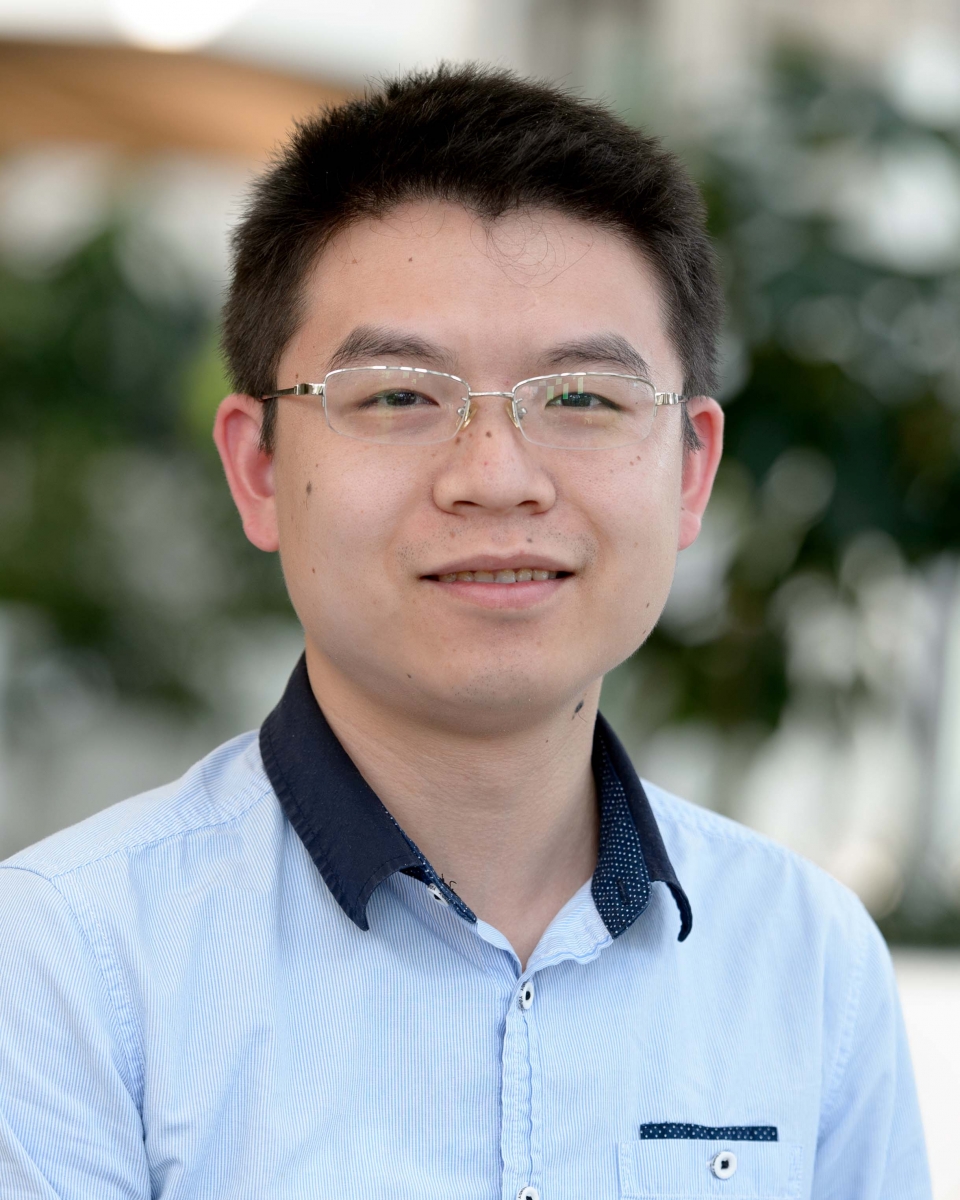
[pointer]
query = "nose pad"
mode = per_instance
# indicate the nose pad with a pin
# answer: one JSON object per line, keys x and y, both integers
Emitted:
{"x": 515, "y": 413}
{"x": 468, "y": 410}
{"x": 466, "y": 414}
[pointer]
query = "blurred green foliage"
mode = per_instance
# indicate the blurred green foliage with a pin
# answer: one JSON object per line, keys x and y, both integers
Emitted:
{"x": 939, "y": 928}
{"x": 842, "y": 410}
{"x": 116, "y": 530}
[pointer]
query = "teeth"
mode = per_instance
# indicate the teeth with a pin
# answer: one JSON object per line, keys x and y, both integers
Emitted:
{"x": 523, "y": 575}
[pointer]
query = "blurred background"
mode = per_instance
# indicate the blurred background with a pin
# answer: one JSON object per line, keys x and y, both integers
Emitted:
{"x": 805, "y": 678}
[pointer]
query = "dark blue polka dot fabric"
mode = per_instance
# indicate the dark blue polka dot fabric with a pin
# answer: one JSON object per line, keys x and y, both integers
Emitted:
{"x": 621, "y": 882}
{"x": 708, "y": 1133}
{"x": 426, "y": 874}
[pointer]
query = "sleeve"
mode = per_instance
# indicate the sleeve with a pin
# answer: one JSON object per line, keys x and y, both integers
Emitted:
{"x": 69, "y": 1125}
{"x": 870, "y": 1144}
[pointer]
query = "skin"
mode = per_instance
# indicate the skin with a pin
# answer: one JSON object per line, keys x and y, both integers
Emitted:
{"x": 469, "y": 708}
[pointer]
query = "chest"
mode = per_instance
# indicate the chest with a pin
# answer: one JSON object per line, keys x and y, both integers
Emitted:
{"x": 359, "y": 1069}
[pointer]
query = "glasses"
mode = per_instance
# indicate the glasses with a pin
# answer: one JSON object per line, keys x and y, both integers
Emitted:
{"x": 411, "y": 406}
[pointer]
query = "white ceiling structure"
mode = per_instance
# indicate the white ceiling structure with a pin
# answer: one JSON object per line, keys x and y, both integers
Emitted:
{"x": 701, "y": 47}
{"x": 338, "y": 40}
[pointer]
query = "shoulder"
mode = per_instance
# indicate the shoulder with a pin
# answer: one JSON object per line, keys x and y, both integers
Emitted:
{"x": 765, "y": 919}
{"x": 223, "y": 788}
{"x": 135, "y": 886}
{"x": 733, "y": 872}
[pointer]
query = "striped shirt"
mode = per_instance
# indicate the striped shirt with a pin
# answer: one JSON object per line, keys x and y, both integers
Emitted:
{"x": 251, "y": 983}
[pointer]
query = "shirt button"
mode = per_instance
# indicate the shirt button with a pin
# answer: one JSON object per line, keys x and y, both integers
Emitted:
{"x": 528, "y": 1193}
{"x": 724, "y": 1164}
{"x": 436, "y": 893}
{"x": 526, "y": 1001}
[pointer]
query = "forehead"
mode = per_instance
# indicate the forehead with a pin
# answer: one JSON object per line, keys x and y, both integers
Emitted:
{"x": 477, "y": 287}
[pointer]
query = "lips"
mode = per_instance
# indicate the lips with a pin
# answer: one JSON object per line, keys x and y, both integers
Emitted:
{"x": 520, "y": 568}
{"x": 509, "y": 575}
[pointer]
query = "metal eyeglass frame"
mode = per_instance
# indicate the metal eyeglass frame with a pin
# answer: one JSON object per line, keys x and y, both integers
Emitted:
{"x": 467, "y": 411}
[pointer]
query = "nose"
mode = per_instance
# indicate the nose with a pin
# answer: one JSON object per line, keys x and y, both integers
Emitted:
{"x": 490, "y": 466}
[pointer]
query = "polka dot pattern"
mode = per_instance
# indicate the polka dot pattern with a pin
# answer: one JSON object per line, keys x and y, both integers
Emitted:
{"x": 708, "y": 1133}
{"x": 621, "y": 882}
{"x": 426, "y": 874}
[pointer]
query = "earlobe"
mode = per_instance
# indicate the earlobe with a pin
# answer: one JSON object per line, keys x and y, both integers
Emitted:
{"x": 249, "y": 469}
{"x": 699, "y": 466}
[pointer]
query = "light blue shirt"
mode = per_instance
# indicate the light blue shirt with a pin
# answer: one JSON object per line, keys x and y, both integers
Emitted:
{"x": 189, "y": 1011}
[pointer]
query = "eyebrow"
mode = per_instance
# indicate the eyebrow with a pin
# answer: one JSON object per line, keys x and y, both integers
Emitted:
{"x": 608, "y": 348}
{"x": 367, "y": 342}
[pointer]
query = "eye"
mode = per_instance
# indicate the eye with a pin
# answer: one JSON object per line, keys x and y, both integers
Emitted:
{"x": 398, "y": 398}
{"x": 580, "y": 400}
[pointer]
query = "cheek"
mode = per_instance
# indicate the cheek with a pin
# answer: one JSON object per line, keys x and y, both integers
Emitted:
{"x": 338, "y": 515}
{"x": 638, "y": 507}
{"x": 637, "y": 521}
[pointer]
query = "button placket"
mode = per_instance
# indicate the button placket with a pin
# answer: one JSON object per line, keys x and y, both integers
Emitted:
{"x": 516, "y": 1082}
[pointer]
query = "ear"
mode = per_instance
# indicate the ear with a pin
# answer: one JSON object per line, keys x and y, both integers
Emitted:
{"x": 700, "y": 466}
{"x": 249, "y": 469}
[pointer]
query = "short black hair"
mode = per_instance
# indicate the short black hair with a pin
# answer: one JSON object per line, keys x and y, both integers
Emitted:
{"x": 493, "y": 142}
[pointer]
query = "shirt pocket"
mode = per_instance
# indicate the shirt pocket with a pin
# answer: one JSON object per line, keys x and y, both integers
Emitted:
{"x": 680, "y": 1169}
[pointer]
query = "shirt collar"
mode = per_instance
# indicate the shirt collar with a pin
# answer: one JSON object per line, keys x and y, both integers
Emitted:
{"x": 356, "y": 843}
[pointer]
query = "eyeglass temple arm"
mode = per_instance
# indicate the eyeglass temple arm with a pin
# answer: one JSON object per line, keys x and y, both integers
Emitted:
{"x": 300, "y": 389}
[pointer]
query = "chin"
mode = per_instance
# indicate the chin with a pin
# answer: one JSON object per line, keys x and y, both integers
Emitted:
{"x": 494, "y": 700}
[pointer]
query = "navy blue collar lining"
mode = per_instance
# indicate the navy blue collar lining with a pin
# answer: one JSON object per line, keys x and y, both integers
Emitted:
{"x": 356, "y": 844}
{"x": 658, "y": 865}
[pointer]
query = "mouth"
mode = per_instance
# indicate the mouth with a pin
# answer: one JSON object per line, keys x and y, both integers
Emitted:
{"x": 509, "y": 575}
{"x": 517, "y": 584}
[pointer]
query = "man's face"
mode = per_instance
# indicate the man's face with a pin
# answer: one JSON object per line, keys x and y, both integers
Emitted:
{"x": 365, "y": 531}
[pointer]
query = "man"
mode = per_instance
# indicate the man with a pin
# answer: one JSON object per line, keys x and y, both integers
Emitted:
{"x": 427, "y": 934}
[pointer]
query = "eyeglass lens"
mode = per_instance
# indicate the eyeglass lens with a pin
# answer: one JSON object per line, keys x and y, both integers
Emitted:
{"x": 403, "y": 405}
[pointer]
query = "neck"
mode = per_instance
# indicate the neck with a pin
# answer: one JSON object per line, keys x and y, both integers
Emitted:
{"x": 508, "y": 819}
